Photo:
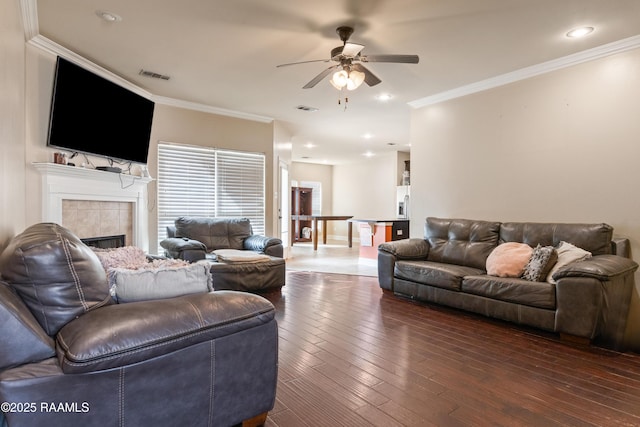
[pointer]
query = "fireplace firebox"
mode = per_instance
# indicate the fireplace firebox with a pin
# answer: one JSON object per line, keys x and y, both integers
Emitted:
{"x": 105, "y": 242}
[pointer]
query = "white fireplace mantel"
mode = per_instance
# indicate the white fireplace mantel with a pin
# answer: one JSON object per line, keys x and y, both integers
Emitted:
{"x": 62, "y": 182}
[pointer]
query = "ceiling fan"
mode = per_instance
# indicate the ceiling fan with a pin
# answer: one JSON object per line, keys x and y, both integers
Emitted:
{"x": 349, "y": 71}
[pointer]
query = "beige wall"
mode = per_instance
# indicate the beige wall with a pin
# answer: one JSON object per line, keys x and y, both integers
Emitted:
{"x": 318, "y": 173}
{"x": 178, "y": 125}
{"x": 12, "y": 122}
{"x": 561, "y": 147}
{"x": 170, "y": 124}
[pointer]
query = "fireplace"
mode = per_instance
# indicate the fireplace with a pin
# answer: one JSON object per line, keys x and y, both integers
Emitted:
{"x": 69, "y": 186}
{"x": 105, "y": 242}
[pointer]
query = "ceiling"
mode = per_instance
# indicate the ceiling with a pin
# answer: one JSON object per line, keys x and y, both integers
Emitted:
{"x": 223, "y": 54}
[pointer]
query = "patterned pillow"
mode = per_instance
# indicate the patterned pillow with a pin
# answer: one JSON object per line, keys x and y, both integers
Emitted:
{"x": 542, "y": 260}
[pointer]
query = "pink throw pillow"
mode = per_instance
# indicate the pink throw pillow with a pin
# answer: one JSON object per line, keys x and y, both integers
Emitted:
{"x": 508, "y": 259}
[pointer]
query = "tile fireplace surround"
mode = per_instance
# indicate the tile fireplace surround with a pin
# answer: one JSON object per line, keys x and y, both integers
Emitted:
{"x": 120, "y": 199}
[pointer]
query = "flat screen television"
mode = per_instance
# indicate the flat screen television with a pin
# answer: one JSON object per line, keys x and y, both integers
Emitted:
{"x": 92, "y": 115}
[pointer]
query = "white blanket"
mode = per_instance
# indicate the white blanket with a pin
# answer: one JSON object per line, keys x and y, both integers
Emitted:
{"x": 235, "y": 255}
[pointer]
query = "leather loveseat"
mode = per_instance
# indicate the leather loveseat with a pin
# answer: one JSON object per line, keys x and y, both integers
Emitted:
{"x": 70, "y": 356}
{"x": 589, "y": 300}
{"x": 258, "y": 264}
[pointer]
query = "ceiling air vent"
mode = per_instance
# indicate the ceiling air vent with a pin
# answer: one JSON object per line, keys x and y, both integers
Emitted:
{"x": 153, "y": 75}
{"x": 306, "y": 108}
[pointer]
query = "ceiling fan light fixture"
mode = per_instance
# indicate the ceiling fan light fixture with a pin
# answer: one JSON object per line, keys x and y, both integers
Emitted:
{"x": 349, "y": 79}
{"x": 339, "y": 79}
{"x": 356, "y": 78}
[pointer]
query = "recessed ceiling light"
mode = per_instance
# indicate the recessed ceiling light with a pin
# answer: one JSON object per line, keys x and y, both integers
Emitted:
{"x": 580, "y": 32}
{"x": 368, "y": 154}
{"x": 108, "y": 16}
{"x": 383, "y": 97}
{"x": 309, "y": 145}
{"x": 367, "y": 136}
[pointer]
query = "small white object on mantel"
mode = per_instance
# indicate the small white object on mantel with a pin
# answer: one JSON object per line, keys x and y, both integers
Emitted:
{"x": 62, "y": 182}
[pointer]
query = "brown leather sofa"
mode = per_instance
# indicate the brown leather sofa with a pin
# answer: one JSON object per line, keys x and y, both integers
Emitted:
{"x": 70, "y": 356}
{"x": 590, "y": 299}
{"x": 197, "y": 239}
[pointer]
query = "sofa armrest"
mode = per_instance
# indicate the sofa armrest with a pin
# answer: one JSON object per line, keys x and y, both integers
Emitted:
{"x": 184, "y": 248}
{"x": 600, "y": 267}
{"x": 124, "y": 334}
{"x": 390, "y": 252}
{"x": 593, "y": 298}
{"x": 406, "y": 248}
{"x": 263, "y": 244}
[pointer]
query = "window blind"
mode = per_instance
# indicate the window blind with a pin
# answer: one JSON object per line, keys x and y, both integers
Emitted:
{"x": 208, "y": 182}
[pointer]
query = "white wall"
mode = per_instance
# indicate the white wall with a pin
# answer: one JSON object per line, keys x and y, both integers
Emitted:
{"x": 561, "y": 147}
{"x": 366, "y": 190}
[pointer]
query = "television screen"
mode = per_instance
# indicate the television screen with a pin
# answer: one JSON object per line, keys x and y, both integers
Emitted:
{"x": 92, "y": 115}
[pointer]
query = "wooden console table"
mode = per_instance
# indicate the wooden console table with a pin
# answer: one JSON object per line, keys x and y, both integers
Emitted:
{"x": 324, "y": 219}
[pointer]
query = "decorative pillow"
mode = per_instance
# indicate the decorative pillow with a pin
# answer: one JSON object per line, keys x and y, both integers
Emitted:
{"x": 541, "y": 262}
{"x": 130, "y": 257}
{"x": 235, "y": 255}
{"x": 567, "y": 253}
{"x": 508, "y": 259}
{"x": 159, "y": 283}
{"x": 133, "y": 258}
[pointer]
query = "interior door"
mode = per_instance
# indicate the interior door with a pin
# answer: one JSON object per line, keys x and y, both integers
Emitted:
{"x": 284, "y": 210}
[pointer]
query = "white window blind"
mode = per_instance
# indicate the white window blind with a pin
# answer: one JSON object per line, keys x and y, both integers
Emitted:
{"x": 208, "y": 182}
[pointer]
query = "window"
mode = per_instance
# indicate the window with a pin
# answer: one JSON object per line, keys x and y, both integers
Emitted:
{"x": 208, "y": 182}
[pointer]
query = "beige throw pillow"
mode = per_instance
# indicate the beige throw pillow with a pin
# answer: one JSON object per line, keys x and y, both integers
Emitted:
{"x": 508, "y": 259}
{"x": 567, "y": 253}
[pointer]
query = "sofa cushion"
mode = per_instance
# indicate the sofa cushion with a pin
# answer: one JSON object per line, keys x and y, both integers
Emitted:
{"x": 57, "y": 276}
{"x": 124, "y": 334}
{"x": 24, "y": 340}
{"x": 519, "y": 291}
{"x": 461, "y": 241}
{"x": 567, "y": 253}
{"x": 541, "y": 262}
{"x": 508, "y": 259}
{"x": 215, "y": 233}
{"x": 441, "y": 275}
{"x": 595, "y": 238}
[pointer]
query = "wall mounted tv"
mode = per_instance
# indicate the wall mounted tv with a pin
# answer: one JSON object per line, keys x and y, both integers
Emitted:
{"x": 92, "y": 115}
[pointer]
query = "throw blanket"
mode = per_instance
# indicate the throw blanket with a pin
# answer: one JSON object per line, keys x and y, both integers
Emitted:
{"x": 235, "y": 255}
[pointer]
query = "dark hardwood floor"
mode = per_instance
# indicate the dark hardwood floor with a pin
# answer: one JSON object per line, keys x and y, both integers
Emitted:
{"x": 351, "y": 355}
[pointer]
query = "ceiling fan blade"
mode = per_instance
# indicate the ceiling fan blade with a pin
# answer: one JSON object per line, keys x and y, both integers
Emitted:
{"x": 320, "y": 76}
{"x": 302, "y": 62}
{"x": 369, "y": 78}
{"x": 351, "y": 49}
{"x": 403, "y": 59}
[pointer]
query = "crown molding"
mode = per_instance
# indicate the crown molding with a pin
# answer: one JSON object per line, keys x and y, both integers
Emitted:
{"x": 53, "y": 48}
{"x": 29, "y": 10}
{"x": 209, "y": 109}
{"x": 528, "y": 72}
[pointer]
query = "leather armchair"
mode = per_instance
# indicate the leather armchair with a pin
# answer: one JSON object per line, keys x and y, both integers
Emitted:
{"x": 71, "y": 356}
{"x": 196, "y": 239}
{"x": 192, "y": 238}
